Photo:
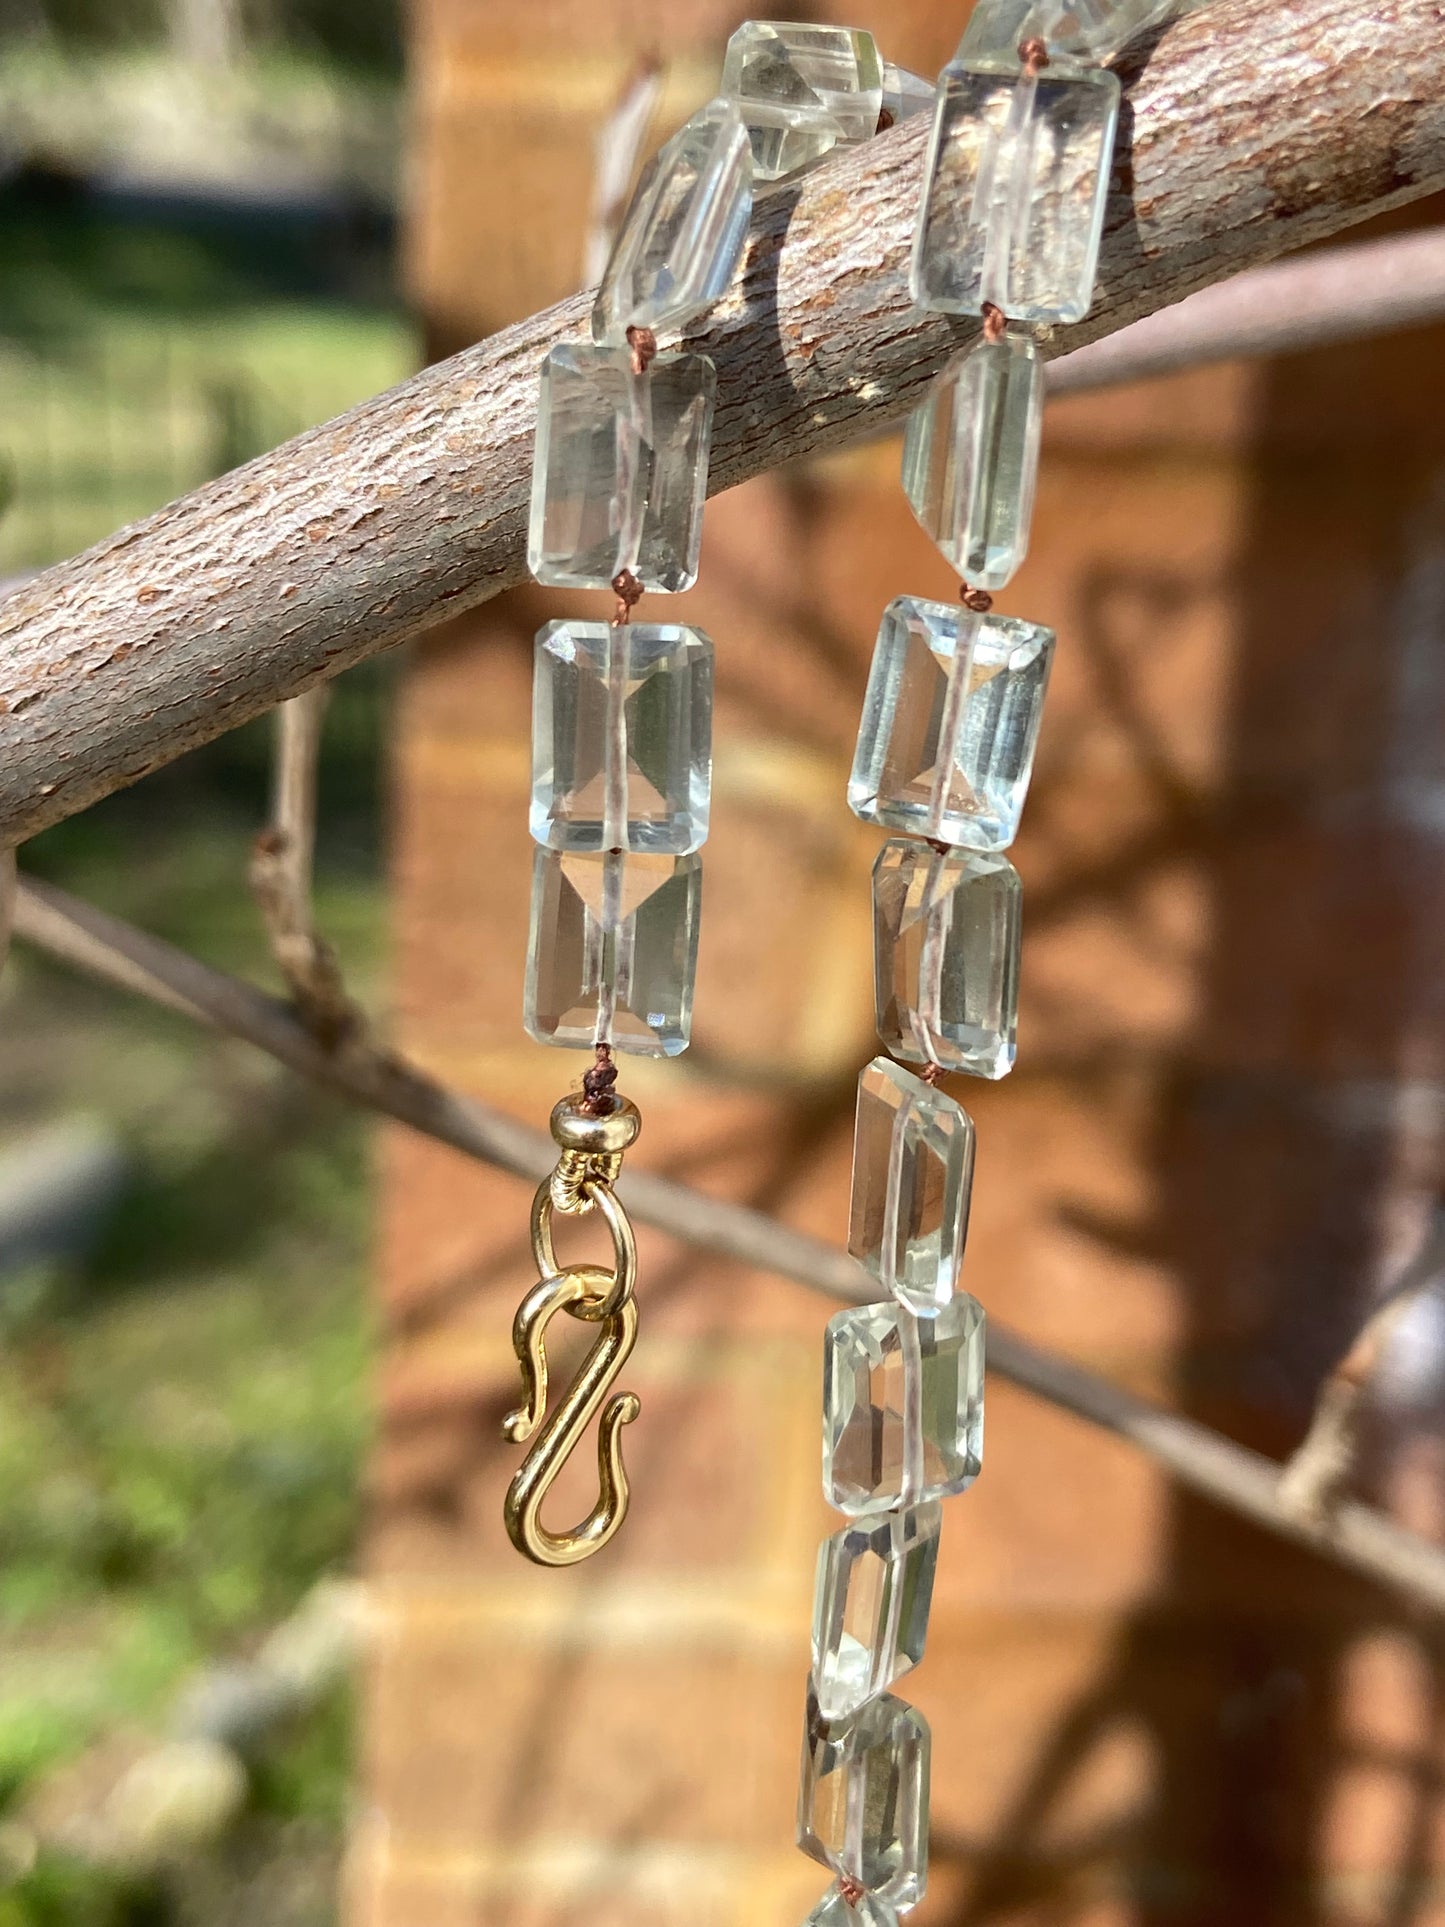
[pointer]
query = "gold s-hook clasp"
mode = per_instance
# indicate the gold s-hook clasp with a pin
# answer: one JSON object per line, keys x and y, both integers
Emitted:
{"x": 591, "y": 1155}
{"x": 582, "y": 1291}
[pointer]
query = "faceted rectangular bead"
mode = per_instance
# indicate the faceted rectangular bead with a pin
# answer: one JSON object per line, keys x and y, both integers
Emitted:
{"x": 678, "y": 247}
{"x": 912, "y": 1180}
{"x": 621, "y": 736}
{"x": 902, "y": 1404}
{"x": 904, "y": 94}
{"x": 946, "y": 933}
{"x": 950, "y": 720}
{"x": 1014, "y": 191}
{"x": 863, "y": 1799}
{"x": 865, "y": 1910}
{"x": 1092, "y": 30}
{"x": 870, "y": 1606}
{"x": 612, "y": 951}
{"x": 620, "y": 473}
{"x": 971, "y": 458}
{"x": 802, "y": 89}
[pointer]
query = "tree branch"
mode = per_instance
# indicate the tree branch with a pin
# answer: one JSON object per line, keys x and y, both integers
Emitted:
{"x": 1251, "y": 127}
{"x": 1311, "y": 1483}
{"x": 1340, "y": 294}
{"x": 1354, "y": 1535}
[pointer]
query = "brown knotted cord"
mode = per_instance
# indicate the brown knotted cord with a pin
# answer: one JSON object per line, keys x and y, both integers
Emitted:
{"x": 643, "y": 343}
{"x": 1034, "y": 54}
{"x": 628, "y": 590}
{"x": 597, "y": 1083}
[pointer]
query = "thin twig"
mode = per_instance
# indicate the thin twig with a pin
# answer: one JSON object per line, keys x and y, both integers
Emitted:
{"x": 1340, "y": 294}
{"x": 619, "y": 142}
{"x": 299, "y": 724}
{"x": 1313, "y": 1481}
{"x": 282, "y": 862}
{"x": 1354, "y": 1535}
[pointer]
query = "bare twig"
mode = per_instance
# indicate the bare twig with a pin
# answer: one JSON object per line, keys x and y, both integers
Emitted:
{"x": 619, "y": 142}
{"x": 282, "y": 860}
{"x": 1312, "y": 1482}
{"x": 413, "y": 507}
{"x": 1354, "y": 1535}
{"x": 299, "y": 724}
{"x": 1339, "y": 294}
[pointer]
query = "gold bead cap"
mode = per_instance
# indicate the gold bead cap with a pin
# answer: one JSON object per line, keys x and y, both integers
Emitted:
{"x": 606, "y": 1136}
{"x": 591, "y": 1149}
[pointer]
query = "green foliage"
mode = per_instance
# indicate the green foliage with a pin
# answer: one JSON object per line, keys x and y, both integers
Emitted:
{"x": 101, "y": 22}
{"x": 182, "y": 1418}
{"x": 364, "y": 34}
{"x": 181, "y": 1423}
{"x": 61, "y": 1893}
{"x": 309, "y": 1779}
{"x": 136, "y": 364}
{"x": 183, "y": 1415}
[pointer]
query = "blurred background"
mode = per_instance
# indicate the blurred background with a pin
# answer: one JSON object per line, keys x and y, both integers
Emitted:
{"x": 254, "y": 1351}
{"x": 198, "y": 243}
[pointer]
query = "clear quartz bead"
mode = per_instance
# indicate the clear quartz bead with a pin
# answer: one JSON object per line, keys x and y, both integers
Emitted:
{"x": 1014, "y": 190}
{"x": 835, "y": 1910}
{"x": 902, "y": 1404}
{"x": 621, "y": 736}
{"x": 971, "y": 458}
{"x": 613, "y": 950}
{"x": 620, "y": 473}
{"x": 912, "y": 1179}
{"x": 802, "y": 89}
{"x": 950, "y": 720}
{"x": 946, "y": 933}
{"x": 1093, "y": 30}
{"x": 905, "y": 94}
{"x": 870, "y": 1606}
{"x": 678, "y": 247}
{"x": 863, "y": 1799}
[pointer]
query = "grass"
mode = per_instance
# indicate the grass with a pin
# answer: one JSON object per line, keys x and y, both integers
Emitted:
{"x": 97, "y": 431}
{"x": 183, "y": 1412}
{"x": 183, "y": 1407}
{"x": 137, "y": 359}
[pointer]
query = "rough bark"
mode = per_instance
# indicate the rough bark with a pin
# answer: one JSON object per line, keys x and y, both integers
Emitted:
{"x": 1248, "y": 129}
